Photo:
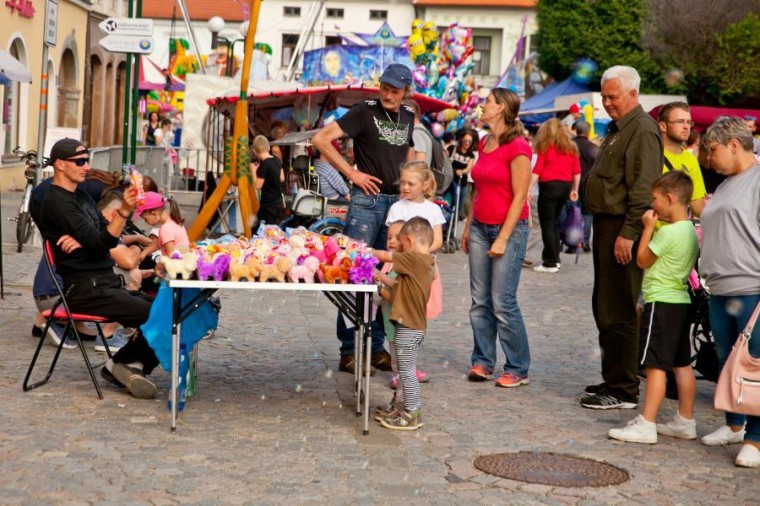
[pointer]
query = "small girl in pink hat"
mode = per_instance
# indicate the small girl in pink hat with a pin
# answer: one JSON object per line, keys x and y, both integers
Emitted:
{"x": 163, "y": 212}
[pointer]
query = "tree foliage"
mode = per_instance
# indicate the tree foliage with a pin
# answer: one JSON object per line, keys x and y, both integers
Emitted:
{"x": 735, "y": 73}
{"x": 706, "y": 49}
{"x": 685, "y": 34}
{"x": 607, "y": 31}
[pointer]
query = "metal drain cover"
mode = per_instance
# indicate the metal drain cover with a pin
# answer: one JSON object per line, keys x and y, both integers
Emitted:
{"x": 551, "y": 469}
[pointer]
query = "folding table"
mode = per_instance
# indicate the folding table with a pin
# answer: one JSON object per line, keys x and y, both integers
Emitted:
{"x": 354, "y": 301}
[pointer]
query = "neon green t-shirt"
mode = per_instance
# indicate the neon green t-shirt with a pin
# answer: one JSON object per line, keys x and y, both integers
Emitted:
{"x": 688, "y": 163}
{"x": 676, "y": 247}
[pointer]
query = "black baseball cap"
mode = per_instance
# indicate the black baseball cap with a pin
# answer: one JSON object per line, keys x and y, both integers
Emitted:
{"x": 64, "y": 149}
{"x": 397, "y": 75}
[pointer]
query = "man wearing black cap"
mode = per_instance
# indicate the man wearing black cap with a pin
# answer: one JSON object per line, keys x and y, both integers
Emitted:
{"x": 382, "y": 133}
{"x": 81, "y": 240}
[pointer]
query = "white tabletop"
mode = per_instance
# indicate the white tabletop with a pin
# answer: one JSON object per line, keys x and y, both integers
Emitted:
{"x": 252, "y": 285}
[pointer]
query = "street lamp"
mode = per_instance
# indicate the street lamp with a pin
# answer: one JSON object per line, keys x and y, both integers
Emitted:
{"x": 215, "y": 25}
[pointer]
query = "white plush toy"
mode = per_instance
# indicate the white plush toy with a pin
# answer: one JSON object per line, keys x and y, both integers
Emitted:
{"x": 184, "y": 266}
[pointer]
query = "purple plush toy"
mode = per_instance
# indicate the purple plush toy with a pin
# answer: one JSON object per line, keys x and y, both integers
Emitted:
{"x": 217, "y": 269}
{"x": 361, "y": 272}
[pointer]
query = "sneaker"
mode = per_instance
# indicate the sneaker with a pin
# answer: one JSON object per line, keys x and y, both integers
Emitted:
{"x": 680, "y": 427}
{"x": 348, "y": 364}
{"x": 606, "y": 401}
{"x": 107, "y": 375}
{"x": 638, "y": 430}
{"x": 527, "y": 264}
{"x": 422, "y": 376}
{"x": 542, "y": 268}
{"x": 723, "y": 436}
{"x": 479, "y": 373}
{"x": 596, "y": 389}
{"x": 382, "y": 360}
{"x": 385, "y": 410}
{"x": 508, "y": 380}
{"x": 403, "y": 420}
{"x": 55, "y": 334}
{"x": 749, "y": 456}
{"x": 116, "y": 342}
{"x": 134, "y": 380}
{"x": 37, "y": 331}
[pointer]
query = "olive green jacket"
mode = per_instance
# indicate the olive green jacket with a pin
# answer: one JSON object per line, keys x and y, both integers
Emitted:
{"x": 630, "y": 159}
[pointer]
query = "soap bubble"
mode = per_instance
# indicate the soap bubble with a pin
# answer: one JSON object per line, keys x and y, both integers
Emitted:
{"x": 734, "y": 307}
{"x": 299, "y": 388}
{"x": 674, "y": 77}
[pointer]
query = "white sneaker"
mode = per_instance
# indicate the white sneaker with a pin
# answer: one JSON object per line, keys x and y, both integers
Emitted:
{"x": 749, "y": 456}
{"x": 723, "y": 436}
{"x": 541, "y": 268}
{"x": 684, "y": 428}
{"x": 638, "y": 430}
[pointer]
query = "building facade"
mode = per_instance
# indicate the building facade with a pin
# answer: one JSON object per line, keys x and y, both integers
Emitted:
{"x": 105, "y": 75}
{"x": 22, "y": 36}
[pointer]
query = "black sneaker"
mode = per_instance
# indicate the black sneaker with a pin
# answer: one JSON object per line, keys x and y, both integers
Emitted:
{"x": 596, "y": 389}
{"x": 37, "y": 331}
{"x": 606, "y": 401}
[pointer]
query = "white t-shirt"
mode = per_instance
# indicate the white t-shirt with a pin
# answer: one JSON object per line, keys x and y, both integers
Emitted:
{"x": 406, "y": 209}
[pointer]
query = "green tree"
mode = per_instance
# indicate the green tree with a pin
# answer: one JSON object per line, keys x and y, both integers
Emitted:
{"x": 606, "y": 31}
{"x": 735, "y": 73}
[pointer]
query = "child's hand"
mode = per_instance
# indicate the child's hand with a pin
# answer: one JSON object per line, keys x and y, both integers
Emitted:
{"x": 649, "y": 218}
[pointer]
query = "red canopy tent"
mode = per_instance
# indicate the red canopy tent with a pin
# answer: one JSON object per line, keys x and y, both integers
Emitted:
{"x": 703, "y": 116}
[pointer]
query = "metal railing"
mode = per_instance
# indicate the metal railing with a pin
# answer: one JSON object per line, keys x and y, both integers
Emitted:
{"x": 188, "y": 174}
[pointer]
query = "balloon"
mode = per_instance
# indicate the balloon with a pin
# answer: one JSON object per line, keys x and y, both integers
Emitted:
{"x": 588, "y": 116}
{"x": 437, "y": 130}
{"x": 447, "y": 115}
{"x": 430, "y": 37}
{"x": 417, "y": 25}
{"x": 416, "y": 47}
{"x": 420, "y": 78}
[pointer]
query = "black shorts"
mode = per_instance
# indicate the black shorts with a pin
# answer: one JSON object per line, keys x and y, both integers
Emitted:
{"x": 664, "y": 336}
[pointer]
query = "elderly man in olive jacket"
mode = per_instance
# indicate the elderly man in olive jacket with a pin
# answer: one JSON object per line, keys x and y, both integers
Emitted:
{"x": 617, "y": 193}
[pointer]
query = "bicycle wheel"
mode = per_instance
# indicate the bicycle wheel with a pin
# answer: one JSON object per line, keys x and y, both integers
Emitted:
{"x": 23, "y": 229}
{"x": 328, "y": 228}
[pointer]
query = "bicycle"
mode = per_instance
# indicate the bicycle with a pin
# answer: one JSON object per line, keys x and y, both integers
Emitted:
{"x": 24, "y": 223}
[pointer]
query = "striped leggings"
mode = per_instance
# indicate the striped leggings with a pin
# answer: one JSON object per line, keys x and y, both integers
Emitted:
{"x": 408, "y": 341}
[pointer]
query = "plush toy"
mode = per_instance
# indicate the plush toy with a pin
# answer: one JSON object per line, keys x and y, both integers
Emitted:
{"x": 276, "y": 271}
{"x": 361, "y": 272}
{"x": 305, "y": 271}
{"x": 330, "y": 249}
{"x": 254, "y": 266}
{"x": 336, "y": 274}
{"x": 216, "y": 269}
{"x": 240, "y": 271}
{"x": 181, "y": 266}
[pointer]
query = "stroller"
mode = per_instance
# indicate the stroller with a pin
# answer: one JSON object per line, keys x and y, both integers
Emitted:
{"x": 451, "y": 243}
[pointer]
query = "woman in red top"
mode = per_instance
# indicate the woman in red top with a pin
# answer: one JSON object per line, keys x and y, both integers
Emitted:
{"x": 494, "y": 236}
{"x": 558, "y": 172}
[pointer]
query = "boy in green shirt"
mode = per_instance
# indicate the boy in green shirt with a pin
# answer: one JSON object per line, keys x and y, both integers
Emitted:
{"x": 668, "y": 258}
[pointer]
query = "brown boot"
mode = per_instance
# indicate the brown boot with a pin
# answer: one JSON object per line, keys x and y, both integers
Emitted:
{"x": 382, "y": 360}
{"x": 348, "y": 364}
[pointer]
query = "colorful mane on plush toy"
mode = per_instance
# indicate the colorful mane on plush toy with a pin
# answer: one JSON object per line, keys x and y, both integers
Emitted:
{"x": 361, "y": 272}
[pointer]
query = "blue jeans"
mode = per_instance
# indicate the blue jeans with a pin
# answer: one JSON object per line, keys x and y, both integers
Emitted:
{"x": 365, "y": 222}
{"x": 728, "y": 316}
{"x": 494, "y": 311}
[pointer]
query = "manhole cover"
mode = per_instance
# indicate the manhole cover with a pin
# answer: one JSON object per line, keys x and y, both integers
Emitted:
{"x": 552, "y": 469}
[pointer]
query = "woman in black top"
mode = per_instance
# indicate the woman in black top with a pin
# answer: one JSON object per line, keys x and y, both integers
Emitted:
{"x": 462, "y": 157}
{"x": 149, "y": 131}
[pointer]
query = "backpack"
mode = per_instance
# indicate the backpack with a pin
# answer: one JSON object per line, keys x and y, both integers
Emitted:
{"x": 439, "y": 164}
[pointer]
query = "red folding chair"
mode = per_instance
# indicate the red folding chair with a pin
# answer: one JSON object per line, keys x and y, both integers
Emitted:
{"x": 61, "y": 311}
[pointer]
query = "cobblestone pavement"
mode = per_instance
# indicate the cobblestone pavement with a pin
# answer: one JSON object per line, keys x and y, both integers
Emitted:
{"x": 273, "y": 419}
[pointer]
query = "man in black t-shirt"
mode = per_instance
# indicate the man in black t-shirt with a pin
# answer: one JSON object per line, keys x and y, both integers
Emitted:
{"x": 382, "y": 132}
{"x": 81, "y": 240}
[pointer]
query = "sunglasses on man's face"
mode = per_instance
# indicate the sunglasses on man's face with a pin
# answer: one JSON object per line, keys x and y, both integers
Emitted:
{"x": 78, "y": 161}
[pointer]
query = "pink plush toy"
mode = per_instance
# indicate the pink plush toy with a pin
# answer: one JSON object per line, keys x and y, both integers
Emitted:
{"x": 305, "y": 271}
{"x": 330, "y": 249}
{"x": 361, "y": 272}
{"x": 217, "y": 268}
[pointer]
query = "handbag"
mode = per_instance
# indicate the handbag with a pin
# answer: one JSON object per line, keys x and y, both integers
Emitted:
{"x": 738, "y": 389}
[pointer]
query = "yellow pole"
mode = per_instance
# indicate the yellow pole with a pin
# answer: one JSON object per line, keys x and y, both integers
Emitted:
{"x": 237, "y": 165}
